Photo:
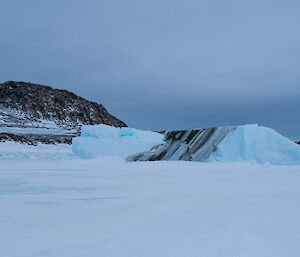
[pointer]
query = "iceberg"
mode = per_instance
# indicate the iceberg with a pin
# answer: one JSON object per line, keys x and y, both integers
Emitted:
{"x": 258, "y": 144}
{"x": 104, "y": 140}
{"x": 247, "y": 143}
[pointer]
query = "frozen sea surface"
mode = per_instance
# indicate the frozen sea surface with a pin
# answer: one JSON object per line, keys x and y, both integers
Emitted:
{"x": 107, "y": 207}
{"x": 22, "y": 152}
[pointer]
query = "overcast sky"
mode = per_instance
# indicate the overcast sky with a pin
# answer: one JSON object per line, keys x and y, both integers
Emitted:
{"x": 163, "y": 63}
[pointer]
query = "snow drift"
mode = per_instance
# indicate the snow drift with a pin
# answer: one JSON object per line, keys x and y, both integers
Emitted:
{"x": 103, "y": 140}
{"x": 251, "y": 143}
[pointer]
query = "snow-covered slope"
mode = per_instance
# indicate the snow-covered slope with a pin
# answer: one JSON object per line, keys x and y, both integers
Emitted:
{"x": 21, "y": 123}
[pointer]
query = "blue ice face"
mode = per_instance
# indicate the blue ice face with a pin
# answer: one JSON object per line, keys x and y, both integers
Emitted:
{"x": 127, "y": 132}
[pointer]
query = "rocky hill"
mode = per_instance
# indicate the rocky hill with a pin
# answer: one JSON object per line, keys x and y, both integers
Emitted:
{"x": 31, "y": 109}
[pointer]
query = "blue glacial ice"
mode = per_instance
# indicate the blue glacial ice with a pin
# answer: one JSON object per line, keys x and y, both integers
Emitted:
{"x": 258, "y": 144}
{"x": 251, "y": 143}
{"x": 103, "y": 140}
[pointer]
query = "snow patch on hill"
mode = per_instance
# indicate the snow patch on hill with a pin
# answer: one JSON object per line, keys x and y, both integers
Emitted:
{"x": 20, "y": 123}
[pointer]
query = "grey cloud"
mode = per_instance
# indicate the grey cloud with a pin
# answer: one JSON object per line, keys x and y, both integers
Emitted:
{"x": 164, "y": 63}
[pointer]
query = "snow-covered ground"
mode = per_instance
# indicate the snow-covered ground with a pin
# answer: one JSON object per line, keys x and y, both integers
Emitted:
{"x": 21, "y": 152}
{"x": 62, "y": 206}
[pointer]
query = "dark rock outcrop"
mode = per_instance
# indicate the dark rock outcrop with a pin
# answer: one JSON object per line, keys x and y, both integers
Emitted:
{"x": 43, "y": 102}
{"x": 31, "y": 113}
